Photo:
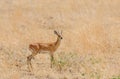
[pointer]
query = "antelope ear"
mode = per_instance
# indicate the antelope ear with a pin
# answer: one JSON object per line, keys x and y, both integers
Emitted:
{"x": 55, "y": 31}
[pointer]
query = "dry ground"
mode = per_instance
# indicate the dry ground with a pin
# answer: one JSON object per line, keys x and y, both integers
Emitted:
{"x": 90, "y": 48}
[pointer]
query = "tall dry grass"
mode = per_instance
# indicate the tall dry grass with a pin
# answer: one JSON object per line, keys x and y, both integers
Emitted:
{"x": 89, "y": 49}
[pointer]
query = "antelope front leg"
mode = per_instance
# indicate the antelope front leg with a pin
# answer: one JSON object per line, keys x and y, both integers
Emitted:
{"x": 52, "y": 60}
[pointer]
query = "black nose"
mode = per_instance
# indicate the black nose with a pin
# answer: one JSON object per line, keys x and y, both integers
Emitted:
{"x": 61, "y": 38}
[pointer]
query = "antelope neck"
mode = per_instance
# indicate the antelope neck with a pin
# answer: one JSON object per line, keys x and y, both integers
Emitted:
{"x": 57, "y": 43}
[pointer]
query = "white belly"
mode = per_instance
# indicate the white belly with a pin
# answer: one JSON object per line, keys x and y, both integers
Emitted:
{"x": 43, "y": 51}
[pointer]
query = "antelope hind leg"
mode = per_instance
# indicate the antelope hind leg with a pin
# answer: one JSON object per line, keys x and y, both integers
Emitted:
{"x": 28, "y": 65}
{"x": 29, "y": 62}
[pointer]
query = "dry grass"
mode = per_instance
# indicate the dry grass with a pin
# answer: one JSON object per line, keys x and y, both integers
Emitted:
{"x": 90, "y": 48}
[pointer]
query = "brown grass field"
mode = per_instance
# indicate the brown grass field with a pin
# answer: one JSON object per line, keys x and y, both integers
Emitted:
{"x": 90, "y": 48}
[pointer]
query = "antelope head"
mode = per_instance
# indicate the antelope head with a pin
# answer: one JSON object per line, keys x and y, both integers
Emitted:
{"x": 58, "y": 34}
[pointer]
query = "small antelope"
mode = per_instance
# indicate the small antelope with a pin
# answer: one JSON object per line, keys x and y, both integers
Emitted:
{"x": 42, "y": 48}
